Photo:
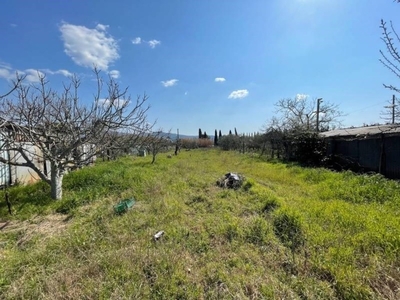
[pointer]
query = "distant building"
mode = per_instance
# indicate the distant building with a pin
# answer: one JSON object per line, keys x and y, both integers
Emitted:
{"x": 375, "y": 148}
{"x": 10, "y": 174}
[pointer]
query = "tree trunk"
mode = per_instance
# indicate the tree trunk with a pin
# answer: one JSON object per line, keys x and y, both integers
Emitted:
{"x": 56, "y": 182}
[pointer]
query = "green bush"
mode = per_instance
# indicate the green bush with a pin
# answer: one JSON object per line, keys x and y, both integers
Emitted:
{"x": 229, "y": 142}
{"x": 307, "y": 148}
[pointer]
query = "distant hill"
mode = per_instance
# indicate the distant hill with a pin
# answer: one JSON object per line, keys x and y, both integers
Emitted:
{"x": 174, "y": 136}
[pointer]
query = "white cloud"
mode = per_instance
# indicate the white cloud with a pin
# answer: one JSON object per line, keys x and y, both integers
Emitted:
{"x": 32, "y": 75}
{"x": 5, "y": 65}
{"x": 153, "y": 43}
{"x": 170, "y": 82}
{"x": 118, "y": 103}
{"x": 63, "y": 72}
{"x": 219, "y": 79}
{"x": 89, "y": 47}
{"x": 137, "y": 41}
{"x": 238, "y": 94}
{"x": 102, "y": 27}
{"x": 5, "y": 70}
{"x": 5, "y": 73}
{"x": 114, "y": 74}
{"x": 301, "y": 97}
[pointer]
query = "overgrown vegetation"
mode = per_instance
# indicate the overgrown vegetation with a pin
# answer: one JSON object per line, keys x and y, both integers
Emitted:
{"x": 189, "y": 144}
{"x": 289, "y": 232}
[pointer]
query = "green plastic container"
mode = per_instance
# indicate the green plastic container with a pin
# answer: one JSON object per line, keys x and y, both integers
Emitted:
{"x": 124, "y": 205}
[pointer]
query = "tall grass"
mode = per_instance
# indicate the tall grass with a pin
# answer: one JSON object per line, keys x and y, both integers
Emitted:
{"x": 289, "y": 232}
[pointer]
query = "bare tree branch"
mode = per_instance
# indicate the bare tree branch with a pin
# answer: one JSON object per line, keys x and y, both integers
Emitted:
{"x": 300, "y": 114}
{"x": 390, "y": 59}
{"x": 15, "y": 83}
{"x": 67, "y": 132}
{"x": 158, "y": 142}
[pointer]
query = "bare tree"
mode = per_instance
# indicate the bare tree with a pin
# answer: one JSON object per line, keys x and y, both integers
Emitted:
{"x": 301, "y": 114}
{"x": 272, "y": 137}
{"x": 294, "y": 130}
{"x": 391, "y": 58}
{"x": 158, "y": 142}
{"x": 40, "y": 123}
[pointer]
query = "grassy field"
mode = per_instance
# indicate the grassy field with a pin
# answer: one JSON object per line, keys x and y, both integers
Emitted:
{"x": 287, "y": 233}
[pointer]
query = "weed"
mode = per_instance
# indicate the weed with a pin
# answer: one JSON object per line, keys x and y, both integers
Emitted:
{"x": 270, "y": 205}
{"x": 218, "y": 243}
{"x": 248, "y": 184}
{"x": 287, "y": 227}
{"x": 257, "y": 231}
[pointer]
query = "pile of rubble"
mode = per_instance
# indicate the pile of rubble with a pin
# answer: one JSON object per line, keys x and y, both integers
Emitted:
{"x": 231, "y": 180}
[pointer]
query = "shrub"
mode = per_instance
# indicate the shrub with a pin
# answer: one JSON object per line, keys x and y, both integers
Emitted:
{"x": 196, "y": 143}
{"x": 229, "y": 142}
{"x": 305, "y": 147}
{"x": 189, "y": 143}
{"x": 205, "y": 143}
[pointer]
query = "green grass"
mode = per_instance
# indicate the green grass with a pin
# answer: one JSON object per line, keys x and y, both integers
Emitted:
{"x": 289, "y": 232}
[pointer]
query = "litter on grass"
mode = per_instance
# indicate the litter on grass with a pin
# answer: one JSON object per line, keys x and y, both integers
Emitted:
{"x": 158, "y": 235}
{"x": 123, "y": 206}
{"x": 231, "y": 180}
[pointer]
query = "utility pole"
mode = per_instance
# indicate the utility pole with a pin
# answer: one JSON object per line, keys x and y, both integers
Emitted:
{"x": 319, "y": 100}
{"x": 393, "y": 107}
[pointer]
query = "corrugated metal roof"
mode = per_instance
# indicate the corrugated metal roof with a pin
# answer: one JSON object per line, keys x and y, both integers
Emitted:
{"x": 363, "y": 131}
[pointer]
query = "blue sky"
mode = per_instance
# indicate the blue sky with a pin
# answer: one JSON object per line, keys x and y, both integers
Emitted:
{"x": 209, "y": 64}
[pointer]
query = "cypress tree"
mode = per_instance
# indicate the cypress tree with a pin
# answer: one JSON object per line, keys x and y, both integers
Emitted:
{"x": 215, "y": 138}
{"x": 200, "y": 134}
